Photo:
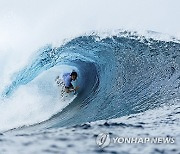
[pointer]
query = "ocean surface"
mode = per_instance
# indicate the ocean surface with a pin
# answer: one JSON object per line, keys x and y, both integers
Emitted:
{"x": 129, "y": 89}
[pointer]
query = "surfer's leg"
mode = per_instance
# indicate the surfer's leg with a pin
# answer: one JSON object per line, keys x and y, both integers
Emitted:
{"x": 71, "y": 86}
{"x": 57, "y": 78}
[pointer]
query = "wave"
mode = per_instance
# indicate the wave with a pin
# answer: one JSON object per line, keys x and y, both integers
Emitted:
{"x": 119, "y": 74}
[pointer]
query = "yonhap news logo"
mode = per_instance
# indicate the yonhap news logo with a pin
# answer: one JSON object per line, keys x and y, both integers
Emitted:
{"x": 104, "y": 140}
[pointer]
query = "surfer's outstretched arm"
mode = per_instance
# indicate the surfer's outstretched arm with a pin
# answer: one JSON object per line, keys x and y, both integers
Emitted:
{"x": 57, "y": 78}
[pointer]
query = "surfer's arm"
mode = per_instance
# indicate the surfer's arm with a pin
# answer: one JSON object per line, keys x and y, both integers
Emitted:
{"x": 77, "y": 87}
{"x": 57, "y": 77}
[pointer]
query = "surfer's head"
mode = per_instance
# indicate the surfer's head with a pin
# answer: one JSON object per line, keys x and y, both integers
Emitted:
{"x": 73, "y": 75}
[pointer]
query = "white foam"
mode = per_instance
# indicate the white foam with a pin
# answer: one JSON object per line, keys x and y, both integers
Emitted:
{"x": 35, "y": 102}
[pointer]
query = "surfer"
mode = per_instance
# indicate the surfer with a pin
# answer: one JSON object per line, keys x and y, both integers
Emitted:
{"x": 67, "y": 79}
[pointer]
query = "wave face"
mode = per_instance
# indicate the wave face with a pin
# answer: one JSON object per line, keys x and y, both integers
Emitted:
{"x": 119, "y": 75}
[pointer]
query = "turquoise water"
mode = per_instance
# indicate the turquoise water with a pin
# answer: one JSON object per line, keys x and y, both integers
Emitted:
{"x": 120, "y": 76}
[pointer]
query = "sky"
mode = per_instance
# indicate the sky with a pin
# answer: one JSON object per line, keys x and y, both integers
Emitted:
{"x": 26, "y": 25}
{"x": 34, "y": 23}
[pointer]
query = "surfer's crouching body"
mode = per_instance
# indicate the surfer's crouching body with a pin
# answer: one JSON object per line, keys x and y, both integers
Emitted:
{"x": 67, "y": 79}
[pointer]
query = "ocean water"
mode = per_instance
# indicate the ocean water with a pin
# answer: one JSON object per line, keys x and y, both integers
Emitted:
{"x": 129, "y": 88}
